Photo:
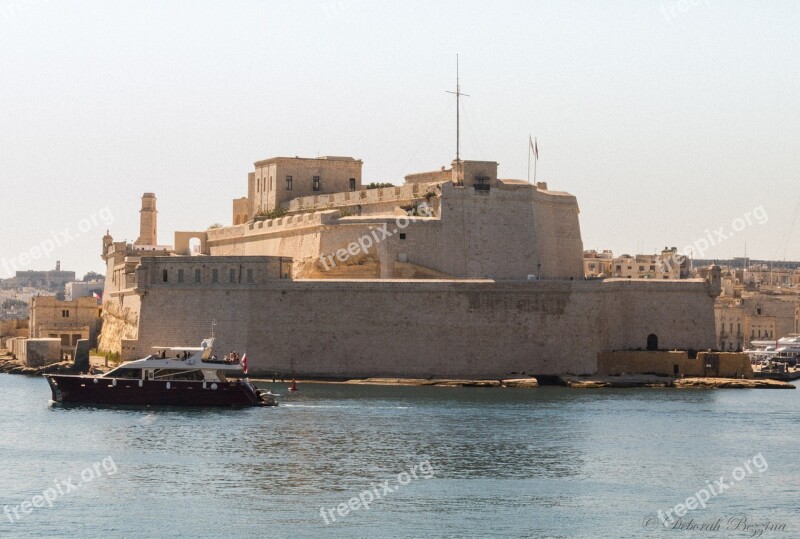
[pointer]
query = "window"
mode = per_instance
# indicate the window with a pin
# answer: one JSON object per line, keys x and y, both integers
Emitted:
{"x": 619, "y": 268}
{"x": 288, "y": 183}
{"x": 215, "y": 275}
{"x": 402, "y": 235}
{"x": 482, "y": 184}
{"x": 652, "y": 268}
{"x": 165, "y": 276}
{"x": 352, "y": 184}
{"x": 250, "y": 275}
{"x": 758, "y": 311}
{"x": 197, "y": 275}
{"x": 232, "y": 275}
{"x": 65, "y": 313}
{"x": 641, "y": 268}
{"x": 270, "y": 183}
{"x": 315, "y": 183}
{"x": 180, "y": 275}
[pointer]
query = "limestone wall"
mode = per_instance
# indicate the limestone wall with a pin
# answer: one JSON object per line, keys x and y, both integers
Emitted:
{"x": 39, "y": 352}
{"x": 431, "y": 328}
{"x": 508, "y": 232}
{"x": 674, "y": 363}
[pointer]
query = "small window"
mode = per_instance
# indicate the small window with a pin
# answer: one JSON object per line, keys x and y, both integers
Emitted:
{"x": 641, "y": 268}
{"x": 180, "y": 275}
{"x": 215, "y": 275}
{"x": 288, "y": 183}
{"x": 250, "y": 275}
{"x": 758, "y": 311}
{"x": 65, "y": 313}
{"x": 270, "y": 183}
{"x": 197, "y": 278}
{"x": 232, "y": 275}
{"x": 402, "y": 235}
{"x": 165, "y": 276}
{"x": 352, "y": 184}
{"x": 316, "y": 183}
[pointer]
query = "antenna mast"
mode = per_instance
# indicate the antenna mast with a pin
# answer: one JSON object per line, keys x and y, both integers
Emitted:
{"x": 458, "y": 95}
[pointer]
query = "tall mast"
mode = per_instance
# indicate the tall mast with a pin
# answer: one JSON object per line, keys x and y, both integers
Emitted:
{"x": 458, "y": 95}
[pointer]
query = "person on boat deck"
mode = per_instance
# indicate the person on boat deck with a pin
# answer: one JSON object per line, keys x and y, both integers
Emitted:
{"x": 163, "y": 354}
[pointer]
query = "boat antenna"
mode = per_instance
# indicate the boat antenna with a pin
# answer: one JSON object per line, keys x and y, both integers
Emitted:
{"x": 458, "y": 95}
{"x": 213, "y": 323}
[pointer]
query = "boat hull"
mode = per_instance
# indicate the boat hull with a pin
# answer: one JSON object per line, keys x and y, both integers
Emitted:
{"x": 98, "y": 390}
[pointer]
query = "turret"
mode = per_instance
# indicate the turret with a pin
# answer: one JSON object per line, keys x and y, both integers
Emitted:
{"x": 148, "y": 221}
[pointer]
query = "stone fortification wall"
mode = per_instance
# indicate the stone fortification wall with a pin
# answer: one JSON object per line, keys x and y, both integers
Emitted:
{"x": 433, "y": 328}
{"x": 507, "y": 232}
{"x": 370, "y": 201}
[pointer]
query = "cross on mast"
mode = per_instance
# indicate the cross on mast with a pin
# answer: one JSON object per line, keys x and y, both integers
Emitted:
{"x": 458, "y": 95}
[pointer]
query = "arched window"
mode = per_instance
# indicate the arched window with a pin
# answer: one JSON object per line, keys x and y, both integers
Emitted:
{"x": 652, "y": 342}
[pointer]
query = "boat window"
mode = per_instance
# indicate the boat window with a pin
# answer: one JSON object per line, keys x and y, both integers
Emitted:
{"x": 122, "y": 372}
{"x": 176, "y": 374}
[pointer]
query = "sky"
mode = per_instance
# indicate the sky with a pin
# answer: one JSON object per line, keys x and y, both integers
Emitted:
{"x": 674, "y": 123}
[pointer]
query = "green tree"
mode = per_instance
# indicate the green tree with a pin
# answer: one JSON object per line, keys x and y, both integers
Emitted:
{"x": 92, "y": 276}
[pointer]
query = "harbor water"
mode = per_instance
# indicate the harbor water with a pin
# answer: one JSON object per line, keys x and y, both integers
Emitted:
{"x": 372, "y": 461}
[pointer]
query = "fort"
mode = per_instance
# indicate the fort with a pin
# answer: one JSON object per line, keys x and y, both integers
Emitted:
{"x": 464, "y": 275}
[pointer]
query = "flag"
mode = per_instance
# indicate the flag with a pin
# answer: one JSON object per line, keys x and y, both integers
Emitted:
{"x": 98, "y": 297}
{"x": 534, "y": 147}
{"x": 244, "y": 363}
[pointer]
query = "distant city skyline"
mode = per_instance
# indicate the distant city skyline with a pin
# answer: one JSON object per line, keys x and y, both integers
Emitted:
{"x": 670, "y": 123}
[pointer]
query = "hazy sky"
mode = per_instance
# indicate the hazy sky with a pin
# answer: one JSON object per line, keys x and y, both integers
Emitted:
{"x": 668, "y": 120}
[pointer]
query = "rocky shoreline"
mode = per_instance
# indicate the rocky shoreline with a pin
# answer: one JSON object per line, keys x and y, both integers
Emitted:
{"x": 12, "y": 366}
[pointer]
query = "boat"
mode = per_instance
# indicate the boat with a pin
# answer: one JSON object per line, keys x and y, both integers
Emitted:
{"x": 193, "y": 377}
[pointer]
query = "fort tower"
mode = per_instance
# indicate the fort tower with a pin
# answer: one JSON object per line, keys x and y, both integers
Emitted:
{"x": 148, "y": 221}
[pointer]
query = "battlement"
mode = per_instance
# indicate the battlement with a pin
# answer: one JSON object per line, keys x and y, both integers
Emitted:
{"x": 363, "y": 197}
{"x": 210, "y": 271}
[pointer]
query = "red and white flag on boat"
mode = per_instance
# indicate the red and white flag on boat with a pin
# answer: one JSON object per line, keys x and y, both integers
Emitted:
{"x": 244, "y": 363}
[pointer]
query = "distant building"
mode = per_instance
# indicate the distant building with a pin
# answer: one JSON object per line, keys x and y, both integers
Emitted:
{"x": 81, "y": 289}
{"x": 48, "y": 280}
{"x": 667, "y": 265}
{"x": 596, "y": 264}
{"x": 69, "y": 321}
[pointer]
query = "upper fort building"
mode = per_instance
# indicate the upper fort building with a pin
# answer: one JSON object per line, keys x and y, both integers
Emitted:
{"x": 455, "y": 273}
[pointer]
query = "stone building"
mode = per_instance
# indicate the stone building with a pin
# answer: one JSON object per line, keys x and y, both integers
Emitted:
{"x": 455, "y": 273}
{"x": 68, "y": 321}
{"x": 280, "y": 179}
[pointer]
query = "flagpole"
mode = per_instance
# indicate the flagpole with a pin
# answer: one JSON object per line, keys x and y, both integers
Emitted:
{"x": 529, "y": 159}
{"x": 535, "y": 162}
